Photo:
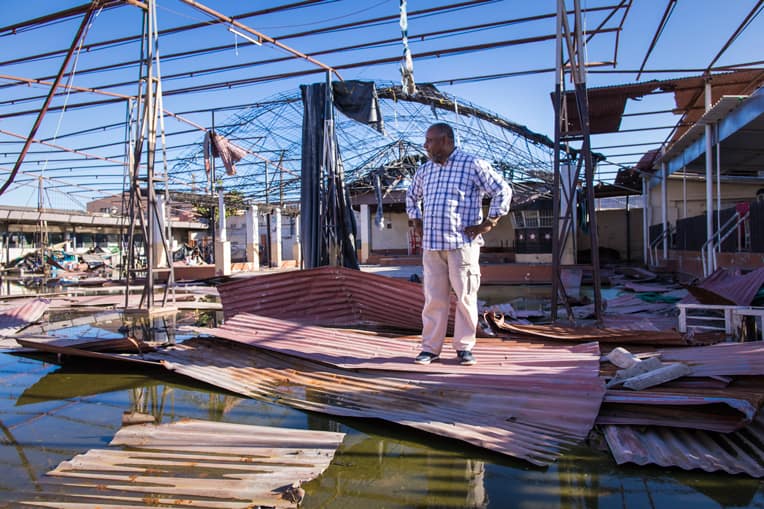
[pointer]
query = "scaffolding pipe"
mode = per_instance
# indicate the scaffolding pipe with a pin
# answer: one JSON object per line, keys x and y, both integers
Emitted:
{"x": 709, "y": 175}
{"x": 664, "y": 209}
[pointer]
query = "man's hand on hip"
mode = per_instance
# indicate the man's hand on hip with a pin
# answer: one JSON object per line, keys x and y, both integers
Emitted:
{"x": 479, "y": 229}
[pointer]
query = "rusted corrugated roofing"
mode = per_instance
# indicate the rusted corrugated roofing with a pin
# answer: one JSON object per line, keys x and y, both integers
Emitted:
{"x": 727, "y": 287}
{"x": 606, "y": 104}
{"x": 331, "y": 296}
{"x": 359, "y": 350}
{"x": 13, "y": 319}
{"x": 604, "y": 335}
{"x": 530, "y": 403}
{"x": 193, "y": 463}
{"x": 734, "y": 453}
{"x": 526, "y": 401}
{"x": 723, "y": 359}
{"x": 722, "y": 410}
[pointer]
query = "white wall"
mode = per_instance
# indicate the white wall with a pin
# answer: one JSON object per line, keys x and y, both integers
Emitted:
{"x": 237, "y": 226}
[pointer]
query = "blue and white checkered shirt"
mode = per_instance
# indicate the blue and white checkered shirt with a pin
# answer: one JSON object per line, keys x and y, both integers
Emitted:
{"x": 449, "y": 197}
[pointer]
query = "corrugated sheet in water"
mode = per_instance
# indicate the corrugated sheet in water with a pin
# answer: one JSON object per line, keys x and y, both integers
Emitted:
{"x": 13, "y": 319}
{"x": 190, "y": 463}
{"x": 526, "y": 402}
{"x": 331, "y": 296}
{"x": 734, "y": 453}
{"x": 695, "y": 408}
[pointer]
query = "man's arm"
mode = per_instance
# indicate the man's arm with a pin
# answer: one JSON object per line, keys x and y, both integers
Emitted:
{"x": 494, "y": 185}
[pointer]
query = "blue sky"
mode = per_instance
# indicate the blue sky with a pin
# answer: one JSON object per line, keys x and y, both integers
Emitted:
{"x": 695, "y": 33}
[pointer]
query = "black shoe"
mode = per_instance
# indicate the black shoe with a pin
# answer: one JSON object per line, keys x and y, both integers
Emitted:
{"x": 426, "y": 358}
{"x": 466, "y": 358}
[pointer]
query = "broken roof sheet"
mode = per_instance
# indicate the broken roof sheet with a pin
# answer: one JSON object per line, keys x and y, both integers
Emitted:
{"x": 15, "y": 318}
{"x": 527, "y": 401}
{"x": 734, "y": 453}
{"x": 722, "y": 410}
{"x": 723, "y": 359}
{"x": 533, "y": 416}
{"x": 331, "y": 296}
{"x": 192, "y": 463}
{"x": 606, "y": 104}
{"x": 727, "y": 287}
{"x": 601, "y": 334}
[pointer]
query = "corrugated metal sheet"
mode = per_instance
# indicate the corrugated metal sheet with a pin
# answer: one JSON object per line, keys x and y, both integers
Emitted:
{"x": 15, "y": 318}
{"x": 604, "y": 335}
{"x": 723, "y": 359}
{"x": 726, "y": 286}
{"x": 734, "y": 453}
{"x": 359, "y": 350}
{"x": 527, "y": 401}
{"x": 193, "y": 464}
{"x": 331, "y": 296}
{"x": 531, "y": 404}
{"x": 722, "y": 410}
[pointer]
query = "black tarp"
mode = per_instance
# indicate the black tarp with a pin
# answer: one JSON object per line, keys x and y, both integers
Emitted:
{"x": 327, "y": 222}
{"x": 358, "y": 100}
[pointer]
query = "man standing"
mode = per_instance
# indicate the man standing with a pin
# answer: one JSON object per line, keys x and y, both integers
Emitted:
{"x": 445, "y": 202}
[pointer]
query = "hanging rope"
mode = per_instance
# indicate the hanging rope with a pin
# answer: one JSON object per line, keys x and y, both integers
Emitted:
{"x": 407, "y": 65}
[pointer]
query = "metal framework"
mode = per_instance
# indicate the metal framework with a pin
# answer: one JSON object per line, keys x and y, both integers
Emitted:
{"x": 570, "y": 42}
{"x": 144, "y": 210}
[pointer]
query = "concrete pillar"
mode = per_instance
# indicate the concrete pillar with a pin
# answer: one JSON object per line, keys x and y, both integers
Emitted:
{"x": 222, "y": 244}
{"x": 276, "y": 237}
{"x": 296, "y": 248}
{"x": 365, "y": 233}
{"x": 222, "y": 233}
{"x": 253, "y": 238}
{"x": 160, "y": 258}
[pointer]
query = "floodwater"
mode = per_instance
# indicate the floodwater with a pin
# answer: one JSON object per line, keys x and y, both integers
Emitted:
{"x": 50, "y": 413}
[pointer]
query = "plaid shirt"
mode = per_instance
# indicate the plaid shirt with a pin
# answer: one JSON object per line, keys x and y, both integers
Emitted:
{"x": 451, "y": 198}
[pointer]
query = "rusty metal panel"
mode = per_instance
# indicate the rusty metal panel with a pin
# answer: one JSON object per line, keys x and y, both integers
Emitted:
{"x": 527, "y": 402}
{"x": 193, "y": 463}
{"x": 734, "y": 453}
{"x": 15, "y": 318}
{"x": 727, "y": 287}
{"x": 722, "y": 410}
{"x": 722, "y": 359}
{"x": 331, "y": 296}
{"x": 601, "y": 334}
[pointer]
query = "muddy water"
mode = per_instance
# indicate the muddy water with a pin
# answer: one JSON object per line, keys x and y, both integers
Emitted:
{"x": 49, "y": 414}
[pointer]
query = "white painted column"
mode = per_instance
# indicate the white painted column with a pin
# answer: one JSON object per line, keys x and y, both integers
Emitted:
{"x": 276, "y": 237}
{"x": 160, "y": 259}
{"x": 296, "y": 248}
{"x": 222, "y": 244}
{"x": 252, "y": 236}
{"x": 222, "y": 233}
{"x": 365, "y": 232}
